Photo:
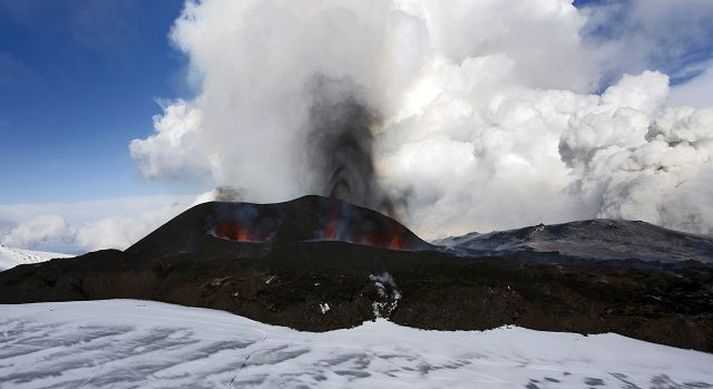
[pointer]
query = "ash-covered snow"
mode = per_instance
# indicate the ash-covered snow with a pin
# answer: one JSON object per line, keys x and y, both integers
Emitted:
{"x": 11, "y": 257}
{"x": 324, "y": 308}
{"x": 388, "y": 295}
{"x": 598, "y": 239}
{"x": 130, "y": 343}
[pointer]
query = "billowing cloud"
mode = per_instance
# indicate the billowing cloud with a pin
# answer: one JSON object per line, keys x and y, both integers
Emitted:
{"x": 38, "y": 229}
{"x": 93, "y": 225}
{"x": 86, "y": 225}
{"x": 479, "y": 114}
{"x": 643, "y": 160}
{"x": 174, "y": 150}
{"x": 120, "y": 232}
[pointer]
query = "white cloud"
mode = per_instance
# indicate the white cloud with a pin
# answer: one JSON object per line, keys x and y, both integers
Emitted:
{"x": 120, "y": 232}
{"x": 94, "y": 225}
{"x": 480, "y": 126}
{"x": 173, "y": 151}
{"x": 36, "y": 230}
{"x": 89, "y": 225}
{"x": 643, "y": 160}
{"x": 79, "y": 213}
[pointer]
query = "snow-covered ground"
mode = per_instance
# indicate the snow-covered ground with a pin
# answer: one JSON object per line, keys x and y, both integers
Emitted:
{"x": 11, "y": 257}
{"x": 130, "y": 343}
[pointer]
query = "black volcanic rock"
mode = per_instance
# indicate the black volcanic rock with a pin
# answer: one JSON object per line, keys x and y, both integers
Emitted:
{"x": 283, "y": 263}
{"x": 249, "y": 229}
{"x": 598, "y": 239}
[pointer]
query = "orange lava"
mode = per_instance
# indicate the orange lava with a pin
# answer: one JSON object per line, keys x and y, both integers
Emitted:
{"x": 396, "y": 238}
{"x": 236, "y": 232}
{"x": 330, "y": 230}
{"x": 396, "y": 242}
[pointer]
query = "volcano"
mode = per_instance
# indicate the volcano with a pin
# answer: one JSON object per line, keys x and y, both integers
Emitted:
{"x": 245, "y": 229}
{"x": 318, "y": 263}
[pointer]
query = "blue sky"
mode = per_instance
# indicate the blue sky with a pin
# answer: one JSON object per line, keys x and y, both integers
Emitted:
{"x": 79, "y": 79}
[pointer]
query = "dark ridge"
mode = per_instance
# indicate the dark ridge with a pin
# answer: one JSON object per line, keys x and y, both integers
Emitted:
{"x": 277, "y": 263}
{"x": 246, "y": 229}
{"x": 435, "y": 290}
{"x": 591, "y": 240}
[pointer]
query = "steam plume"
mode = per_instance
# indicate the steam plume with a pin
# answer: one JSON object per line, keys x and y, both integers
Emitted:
{"x": 454, "y": 104}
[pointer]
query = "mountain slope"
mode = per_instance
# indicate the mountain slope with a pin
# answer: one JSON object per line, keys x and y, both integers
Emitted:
{"x": 131, "y": 343}
{"x": 251, "y": 229}
{"x": 11, "y": 257}
{"x": 598, "y": 239}
{"x": 424, "y": 289}
{"x": 289, "y": 263}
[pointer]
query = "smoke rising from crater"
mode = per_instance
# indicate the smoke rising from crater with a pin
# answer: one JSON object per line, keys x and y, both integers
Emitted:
{"x": 340, "y": 144}
{"x": 483, "y": 112}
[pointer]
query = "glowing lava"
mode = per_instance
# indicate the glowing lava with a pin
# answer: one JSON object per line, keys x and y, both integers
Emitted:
{"x": 237, "y": 232}
{"x": 339, "y": 224}
{"x": 396, "y": 237}
{"x": 330, "y": 229}
{"x": 315, "y": 219}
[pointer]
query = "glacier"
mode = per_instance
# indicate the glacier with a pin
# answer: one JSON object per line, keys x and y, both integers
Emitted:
{"x": 136, "y": 343}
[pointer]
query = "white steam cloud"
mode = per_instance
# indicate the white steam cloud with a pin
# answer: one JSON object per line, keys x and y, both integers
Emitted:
{"x": 37, "y": 230}
{"x": 484, "y": 112}
{"x": 88, "y": 225}
{"x": 120, "y": 232}
{"x": 95, "y": 225}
